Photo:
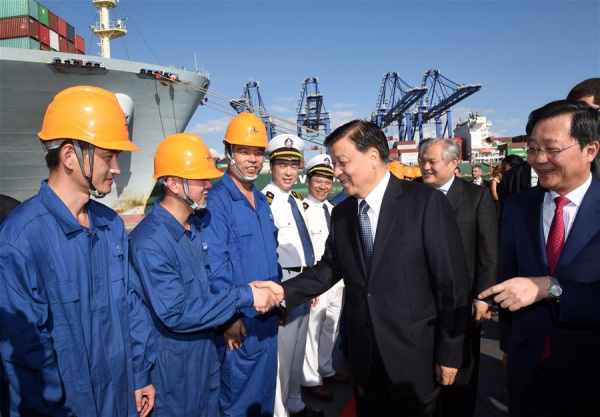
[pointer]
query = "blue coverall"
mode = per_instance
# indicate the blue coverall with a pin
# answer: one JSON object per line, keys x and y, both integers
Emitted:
{"x": 67, "y": 310}
{"x": 170, "y": 262}
{"x": 242, "y": 245}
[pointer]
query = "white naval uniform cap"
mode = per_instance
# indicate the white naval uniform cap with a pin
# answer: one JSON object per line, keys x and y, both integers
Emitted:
{"x": 320, "y": 164}
{"x": 287, "y": 147}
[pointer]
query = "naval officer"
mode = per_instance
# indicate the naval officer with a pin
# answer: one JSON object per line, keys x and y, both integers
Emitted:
{"x": 323, "y": 324}
{"x": 296, "y": 253}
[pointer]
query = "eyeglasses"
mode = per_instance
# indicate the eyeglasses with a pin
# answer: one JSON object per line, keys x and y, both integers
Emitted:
{"x": 550, "y": 152}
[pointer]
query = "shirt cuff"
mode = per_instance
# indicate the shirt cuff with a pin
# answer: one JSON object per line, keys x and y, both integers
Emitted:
{"x": 141, "y": 379}
{"x": 482, "y": 302}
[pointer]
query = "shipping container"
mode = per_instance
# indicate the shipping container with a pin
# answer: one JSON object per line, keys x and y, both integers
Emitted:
{"x": 70, "y": 47}
{"x": 54, "y": 40}
{"x": 14, "y": 8}
{"x": 52, "y": 21}
{"x": 18, "y": 27}
{"x": 44, "y": 34}
{"x": 79, "y": 44}
{"x": 70, "y": 33}
{"x": 45, "y": 47}
{"x": 516, "y": 151}
{"x": 62, "y": 28}
{"x": 43, "y": 15}
{"x": 22, "y": 43}
{"x": 79, "y": 52}
{"x": 62, "y": 44}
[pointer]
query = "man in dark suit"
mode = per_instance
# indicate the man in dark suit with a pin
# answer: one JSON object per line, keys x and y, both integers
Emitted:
{"x": 476, "y": 217}
{"x": 477, "y": 173}
{"x": 550, "y": 287}
{"x": 406, "y": 279}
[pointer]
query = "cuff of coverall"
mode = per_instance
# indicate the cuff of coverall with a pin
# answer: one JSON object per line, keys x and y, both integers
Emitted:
{"x": 246, "y": 297}
{"x": 141, "y": 379}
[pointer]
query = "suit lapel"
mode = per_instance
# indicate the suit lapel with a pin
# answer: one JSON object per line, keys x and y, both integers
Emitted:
{"x": 533, "y": 219}
{"x": 387, "y": 220}
{"x": 354, "y": 237}
{"x": 586, "y": 225}
{"x": 454, "y": 194}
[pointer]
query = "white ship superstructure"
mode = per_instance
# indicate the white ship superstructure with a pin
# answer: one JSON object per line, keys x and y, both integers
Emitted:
{"x": 474, "y": 131}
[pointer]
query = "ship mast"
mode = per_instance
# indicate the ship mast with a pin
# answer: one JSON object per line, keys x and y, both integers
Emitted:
{"x": 107, "y": 29}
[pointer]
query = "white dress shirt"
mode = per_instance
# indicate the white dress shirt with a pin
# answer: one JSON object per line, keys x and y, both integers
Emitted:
{"x": 374, "y": 200}
{"x": 444, "y": 188}
{"x": 569, "y": 211}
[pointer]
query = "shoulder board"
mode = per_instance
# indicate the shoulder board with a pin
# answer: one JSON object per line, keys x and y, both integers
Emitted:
{"x": 332, "y": 203}
{"x": 270, "y": 196}
{"x": 295, "y": 194}
{"x": 305, "y": 205}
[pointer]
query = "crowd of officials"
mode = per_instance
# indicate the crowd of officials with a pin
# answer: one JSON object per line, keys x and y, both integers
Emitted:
{"x": 226, "y": 300}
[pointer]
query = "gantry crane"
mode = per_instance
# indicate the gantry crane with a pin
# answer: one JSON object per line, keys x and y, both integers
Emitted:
{"x": 394, "y": 101}
{"x": 251, "y": 102}
{"x": 311, "y": 112}
{"x": 442, "y": 94}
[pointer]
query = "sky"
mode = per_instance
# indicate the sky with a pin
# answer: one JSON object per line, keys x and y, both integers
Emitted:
{"x": 523, "y": 53}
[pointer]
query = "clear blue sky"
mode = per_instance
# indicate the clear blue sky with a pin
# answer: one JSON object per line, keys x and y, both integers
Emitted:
{"x": 524, "y": 53}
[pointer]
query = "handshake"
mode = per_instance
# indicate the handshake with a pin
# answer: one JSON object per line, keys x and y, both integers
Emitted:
{"x": 266, "y": 295}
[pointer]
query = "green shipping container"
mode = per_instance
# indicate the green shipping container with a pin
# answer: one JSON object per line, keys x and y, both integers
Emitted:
{"x": 15, "y": 8}
{"x": 516, "y": 151}
{"x": 43, "y": 17}
{"x": 21, "y": 43}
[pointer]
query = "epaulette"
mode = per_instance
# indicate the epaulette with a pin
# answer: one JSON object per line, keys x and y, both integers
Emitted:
{"x": 305, "y": 205}
{"x": 270, "y": 196}
{"x": 332, "y": 203}
{"x": 295, "y": 194}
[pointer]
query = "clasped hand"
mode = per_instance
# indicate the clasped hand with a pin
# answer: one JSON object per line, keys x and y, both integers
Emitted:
{"x": 266, "y": 294}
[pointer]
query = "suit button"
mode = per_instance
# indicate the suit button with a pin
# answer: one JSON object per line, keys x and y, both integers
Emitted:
{"x": 369, "y": 293}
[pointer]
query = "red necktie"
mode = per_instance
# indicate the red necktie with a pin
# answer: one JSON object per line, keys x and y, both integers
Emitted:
{"x": 554, "y": 246}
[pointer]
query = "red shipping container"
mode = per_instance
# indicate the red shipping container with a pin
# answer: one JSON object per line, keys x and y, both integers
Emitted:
{"x": 79, "y": 44}
{"x": 45, "y": 47}
{"x": 19, "y": 27}
{"x": 62, "y": 27}
{"x": 44, "y": 34}
{"x": 53, "y": 21}
{"x": 70, "y": 47}
{"x": 62, "y": 44}
{"x": 79, "y": 52}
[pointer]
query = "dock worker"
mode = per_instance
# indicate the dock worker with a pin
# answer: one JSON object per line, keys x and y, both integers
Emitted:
{"x": 324, "y": 320}
{"x": 296, "y": 253}
{"x": 168, "y": 252}
{"x": 242, "y": 239}
{"x": 72, "y": 324}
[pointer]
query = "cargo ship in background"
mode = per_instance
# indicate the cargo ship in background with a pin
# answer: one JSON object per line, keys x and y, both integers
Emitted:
{"x": 40, "y": 55}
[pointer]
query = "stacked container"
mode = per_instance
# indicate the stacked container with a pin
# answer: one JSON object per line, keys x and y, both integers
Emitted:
{"x": 27, "y": 24}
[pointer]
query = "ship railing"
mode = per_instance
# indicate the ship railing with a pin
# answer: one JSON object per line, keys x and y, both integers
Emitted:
{"x": 118, "y": 24}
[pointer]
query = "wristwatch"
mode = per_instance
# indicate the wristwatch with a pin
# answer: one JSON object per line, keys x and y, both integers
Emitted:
{"x": 554, "y": 290}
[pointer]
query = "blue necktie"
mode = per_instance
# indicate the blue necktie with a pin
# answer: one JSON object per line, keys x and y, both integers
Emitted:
{"x": 327, "y": 216}
{"x": 366, "y": 234}
{"x": 309, "y": 255}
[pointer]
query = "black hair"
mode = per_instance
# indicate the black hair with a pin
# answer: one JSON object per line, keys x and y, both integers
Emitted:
{"x": 585, "y": 120}
{"x": 53, "y": 155}
{"x": 587, "y": 88}
{"x": 512, "y": 160}
{"x": 364, "y": 135}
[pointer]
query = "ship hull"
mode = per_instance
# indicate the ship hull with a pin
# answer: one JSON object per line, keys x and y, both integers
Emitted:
{"x": 30, "y": 79}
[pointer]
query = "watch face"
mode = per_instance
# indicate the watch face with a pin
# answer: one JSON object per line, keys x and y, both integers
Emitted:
{"x": 555, "y": 291}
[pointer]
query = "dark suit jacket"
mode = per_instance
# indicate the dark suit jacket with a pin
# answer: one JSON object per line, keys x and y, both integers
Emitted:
{"x": 415, "y": 302}
{"x": 475, "y": 215}
{"x": 573, "y": 323}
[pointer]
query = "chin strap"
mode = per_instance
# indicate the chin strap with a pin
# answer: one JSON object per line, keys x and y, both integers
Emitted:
{"x": 88, "y": 177}
{"x": 229, "y": 154}
{"x": 195, "y": 206}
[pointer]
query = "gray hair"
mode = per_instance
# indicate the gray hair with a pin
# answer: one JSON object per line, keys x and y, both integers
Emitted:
{"x": 450, "y": 149}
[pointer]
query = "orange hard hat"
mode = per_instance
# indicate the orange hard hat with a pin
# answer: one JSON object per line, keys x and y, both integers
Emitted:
{"x": 88, "y": 114}
{"x": 408, "y": 171}
{"x": 248, "y": 130}
{"x": 395, "y": 168}
{"x": 184, "y": 155}
{"x": 417, "y": 172}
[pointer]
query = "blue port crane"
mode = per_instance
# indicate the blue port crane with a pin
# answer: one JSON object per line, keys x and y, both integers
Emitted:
{"x": 394, "y": 101}
{"x": 313, "y": 118}
{"x": 251, "y": 102}
{"x": 442, "y": 94}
